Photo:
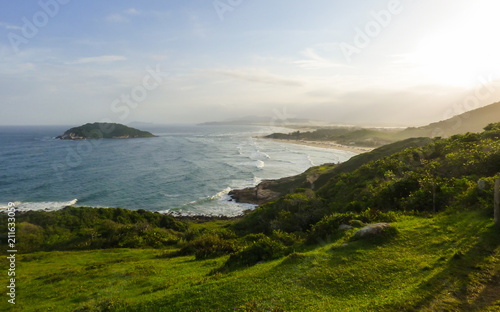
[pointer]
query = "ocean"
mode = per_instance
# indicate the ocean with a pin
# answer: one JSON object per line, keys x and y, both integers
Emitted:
{"x": 187, "y": 169}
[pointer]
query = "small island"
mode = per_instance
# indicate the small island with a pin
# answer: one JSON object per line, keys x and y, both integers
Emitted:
{"x": 103, "y": 130}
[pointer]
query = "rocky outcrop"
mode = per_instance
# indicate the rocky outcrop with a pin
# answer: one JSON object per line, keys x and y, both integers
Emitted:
{"x": 257, "y": 195}
{"x": 270, "y": 190}
{"x": 69, "y": 136}
{"x": 373, "y": 230}
{"x": 344, "y": 227}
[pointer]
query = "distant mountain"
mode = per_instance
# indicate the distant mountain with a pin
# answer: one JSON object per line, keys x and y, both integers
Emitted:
{"x": 260, "y": 121}
{"x": 471, "y": 121}
{"x": 102, "y": 130}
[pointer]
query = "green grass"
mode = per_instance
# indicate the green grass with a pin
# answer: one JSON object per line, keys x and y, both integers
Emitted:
{"x": 446, "y": 262}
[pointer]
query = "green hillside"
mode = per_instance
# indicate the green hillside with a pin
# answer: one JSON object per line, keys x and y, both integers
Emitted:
{"x": 316, "y": 177}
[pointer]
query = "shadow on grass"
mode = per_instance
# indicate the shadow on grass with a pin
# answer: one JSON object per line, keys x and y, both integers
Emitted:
{"x": 466, "y": 278}
{"x": 488, "y": 297}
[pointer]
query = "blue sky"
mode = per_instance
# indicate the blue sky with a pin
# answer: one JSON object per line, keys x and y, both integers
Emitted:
{"x": 392, "y": 62}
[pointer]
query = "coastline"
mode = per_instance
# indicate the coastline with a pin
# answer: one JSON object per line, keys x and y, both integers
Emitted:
{"x": 325, "y": 144}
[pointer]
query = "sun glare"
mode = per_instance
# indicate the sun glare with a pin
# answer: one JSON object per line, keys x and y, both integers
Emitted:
{"x": 463, "y": 49}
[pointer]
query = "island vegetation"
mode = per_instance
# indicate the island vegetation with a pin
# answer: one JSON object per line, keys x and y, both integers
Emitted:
{"x": 102, "y": 130}
{"x": 439, "y": 249}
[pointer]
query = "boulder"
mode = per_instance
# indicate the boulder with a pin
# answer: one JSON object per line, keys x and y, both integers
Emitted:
{"x": 344, "y": 227}
{"x": 372, "y": 230}
{"x": 257, "y": 195}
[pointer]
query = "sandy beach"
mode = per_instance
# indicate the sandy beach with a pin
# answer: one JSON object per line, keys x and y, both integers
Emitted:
{"x": 325, "y": 144}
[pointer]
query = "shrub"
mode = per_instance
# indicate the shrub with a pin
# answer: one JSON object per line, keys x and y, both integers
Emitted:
{"x": 208, "y": 246}
{"x": 287, "y": 239}
{"x": 262, "y": 250}
{"x": 328, "y": 227}
{"x": 292, "y": 213}
{"x": 30, "y": 238}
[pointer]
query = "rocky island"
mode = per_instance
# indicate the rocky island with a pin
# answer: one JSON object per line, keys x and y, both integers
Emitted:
{"x": 103, "y": 130}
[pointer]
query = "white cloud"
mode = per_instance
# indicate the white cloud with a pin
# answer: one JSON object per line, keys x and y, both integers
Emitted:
{"x": 259, "y": 76}
{"x": 116, "y": 18}
{"x": 9, "y": 26}
{"x": 314, "y": 61}
{"x": 100, "y": 59}
{"x": 132, "y": 11}
{"x": 122, "y": 16}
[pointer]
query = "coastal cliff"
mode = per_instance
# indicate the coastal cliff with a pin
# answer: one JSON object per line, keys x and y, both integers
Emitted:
{"x": 102, "y": 130}
{"x": 270, "y": 190}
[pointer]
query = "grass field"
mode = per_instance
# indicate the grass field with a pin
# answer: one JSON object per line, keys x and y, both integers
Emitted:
{"x": 449, "y": 262}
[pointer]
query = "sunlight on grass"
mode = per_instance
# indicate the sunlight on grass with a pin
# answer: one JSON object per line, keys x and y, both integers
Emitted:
{"x": 403, "y": 272}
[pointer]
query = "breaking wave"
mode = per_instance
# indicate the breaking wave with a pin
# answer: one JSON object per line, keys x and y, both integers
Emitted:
{"x": 37, "y": 206}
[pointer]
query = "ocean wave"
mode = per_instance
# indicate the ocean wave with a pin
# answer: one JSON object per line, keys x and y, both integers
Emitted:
{"x": 171, "y": 195}
{"x": 310, "y": 160}
{"x": 258, "y": 155}
{"x": 260, "y": 164}
{"x": 36, "y": 206}
{"x": 227, "y": 209}
{"x": 221, "y": 194}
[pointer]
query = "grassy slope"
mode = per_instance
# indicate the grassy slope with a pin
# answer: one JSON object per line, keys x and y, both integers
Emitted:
{"x": 435, "y": 263}
{"x": 378, "y": 153}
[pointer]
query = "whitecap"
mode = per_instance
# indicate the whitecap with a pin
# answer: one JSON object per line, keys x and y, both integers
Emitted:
{"x": 256, "y": 180}
{"x": 47, "y": 206}
{"x": 221, "y": 194}
{"x": 310, "y": 160}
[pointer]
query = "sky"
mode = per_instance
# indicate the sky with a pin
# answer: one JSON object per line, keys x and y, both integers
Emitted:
{"x": 365, "y": 62}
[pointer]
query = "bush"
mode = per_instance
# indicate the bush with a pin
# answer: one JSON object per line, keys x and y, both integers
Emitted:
{"x": 30, "y": 238}
{"x": 287, "y": 239}
{"x": 292, "y": 213}
{"x": 328, "y": 227}
{"x": 262, "y": 250}
{"x": 209, "y": 246}
{"x": 91, "y": 228}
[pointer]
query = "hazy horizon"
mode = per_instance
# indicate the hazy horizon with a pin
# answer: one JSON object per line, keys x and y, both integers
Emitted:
{"x": 374, "y": 63}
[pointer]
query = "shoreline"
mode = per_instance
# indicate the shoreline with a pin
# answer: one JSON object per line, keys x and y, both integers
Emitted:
{"x": 196, "y": 218}
{"x": 325, "y": 144}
